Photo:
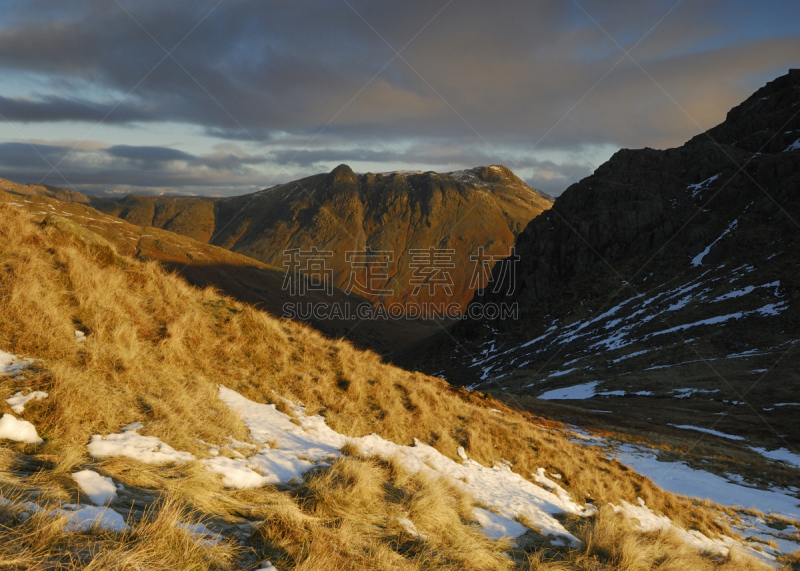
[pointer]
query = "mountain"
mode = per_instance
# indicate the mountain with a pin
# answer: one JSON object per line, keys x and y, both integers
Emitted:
{"x": 341, "y": 211}
{"x": 240, "y": 277}
{"x": 663, "y": 288}
{"x": 30, "y": 189}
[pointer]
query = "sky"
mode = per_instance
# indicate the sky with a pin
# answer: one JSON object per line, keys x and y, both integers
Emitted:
{"x": 224, "y": 97}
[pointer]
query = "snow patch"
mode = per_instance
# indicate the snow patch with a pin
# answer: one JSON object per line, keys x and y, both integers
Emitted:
{"x": 561, "y": 373}
{"x": 312, "y": 443}
{"x": 18, "y": 401}
{"x": 147, "y": 449}
{"x": 204, "y": 536}
{"x": 11, "y": 364}
{"x": 781, "y": 454}
{"x": 793, "y": 147}
{"x": 698, "y": 259}
{"x": 100, "y": 489}
{"x": 649, "y": 521}
{"x": 12, "y": 428}
{"x": 575, "y": 392}
{"x": 629, "y": 356}
{"x": 237, "y": 473}
{"x": 410, "y": 528}
{"x": 696, "y": 188}
{"x": 730, "y": 491}
{"x": 707, "y": 431}
{"x": 686, "y": 393}
{"x": 82, "y": 517}
{"x": 496, "y": 526}
{"x": 79, "y": 517}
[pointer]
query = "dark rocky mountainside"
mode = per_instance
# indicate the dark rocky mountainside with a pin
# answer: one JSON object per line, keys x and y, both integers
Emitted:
{"x": 664, "y": 274}
{"x": 342, "y": 211}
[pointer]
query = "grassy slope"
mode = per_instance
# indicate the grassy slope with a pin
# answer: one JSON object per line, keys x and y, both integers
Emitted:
{"x": 156, "y": 350}
{"x": 240, "y": 277}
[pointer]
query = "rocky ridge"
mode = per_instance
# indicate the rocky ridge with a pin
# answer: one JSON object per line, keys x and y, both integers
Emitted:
{"x": 342, "y": 211}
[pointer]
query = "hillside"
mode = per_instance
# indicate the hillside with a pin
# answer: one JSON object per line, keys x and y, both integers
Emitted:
{"x": 663, "y": 289}
{"x": 148, "y": 424}
{"x": 341, "y": 211}
{"x": 240, "y": 277}
{"x": 31, "y": 190}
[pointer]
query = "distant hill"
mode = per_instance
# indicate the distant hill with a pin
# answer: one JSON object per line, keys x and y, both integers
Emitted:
{"x": 43, "y": 190}
{"x": 341, "y": 211}
{"x": 664, "y": 275}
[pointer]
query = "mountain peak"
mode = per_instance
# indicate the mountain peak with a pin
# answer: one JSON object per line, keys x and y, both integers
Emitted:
{"x": 342, "y": 173}
{"x": 767, "y": 117}
{"x": 495, "y": 173}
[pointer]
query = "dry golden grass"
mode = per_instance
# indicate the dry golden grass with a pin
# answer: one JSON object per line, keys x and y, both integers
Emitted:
{"x": 609, "y": 542}
{"x": 347, "y": 517}
{"x": 43, "y": 541}
{"x": 155, "y": 352}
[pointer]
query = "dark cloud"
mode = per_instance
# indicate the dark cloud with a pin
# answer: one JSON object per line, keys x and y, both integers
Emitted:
{"x": 149, "y": 155}
{"x": 147, "y": 169}
{"x": 53, "y": 108}
{"x": 475, "y": 80}
{"x": 30, "y": 155}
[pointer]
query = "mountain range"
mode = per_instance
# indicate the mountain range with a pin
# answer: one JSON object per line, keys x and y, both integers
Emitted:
{"x": 339, "y": 212}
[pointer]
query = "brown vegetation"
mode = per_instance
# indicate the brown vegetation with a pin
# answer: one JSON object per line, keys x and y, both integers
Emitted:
{"x": 155, "y": 351}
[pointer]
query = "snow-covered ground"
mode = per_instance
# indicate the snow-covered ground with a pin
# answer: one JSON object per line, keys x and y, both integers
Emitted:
{"x": 285, "y": 450}
{"x": 649, "y": 521}
{"x": 294, "y": 449}
{"x": 731, "y": 491}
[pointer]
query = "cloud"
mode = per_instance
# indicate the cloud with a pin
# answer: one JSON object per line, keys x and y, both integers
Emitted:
{"x": 149, "y": 155}
{"x": 304, "y": 84}
{"x": 142, "y": 169}
{"x": 52, "y": 108}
